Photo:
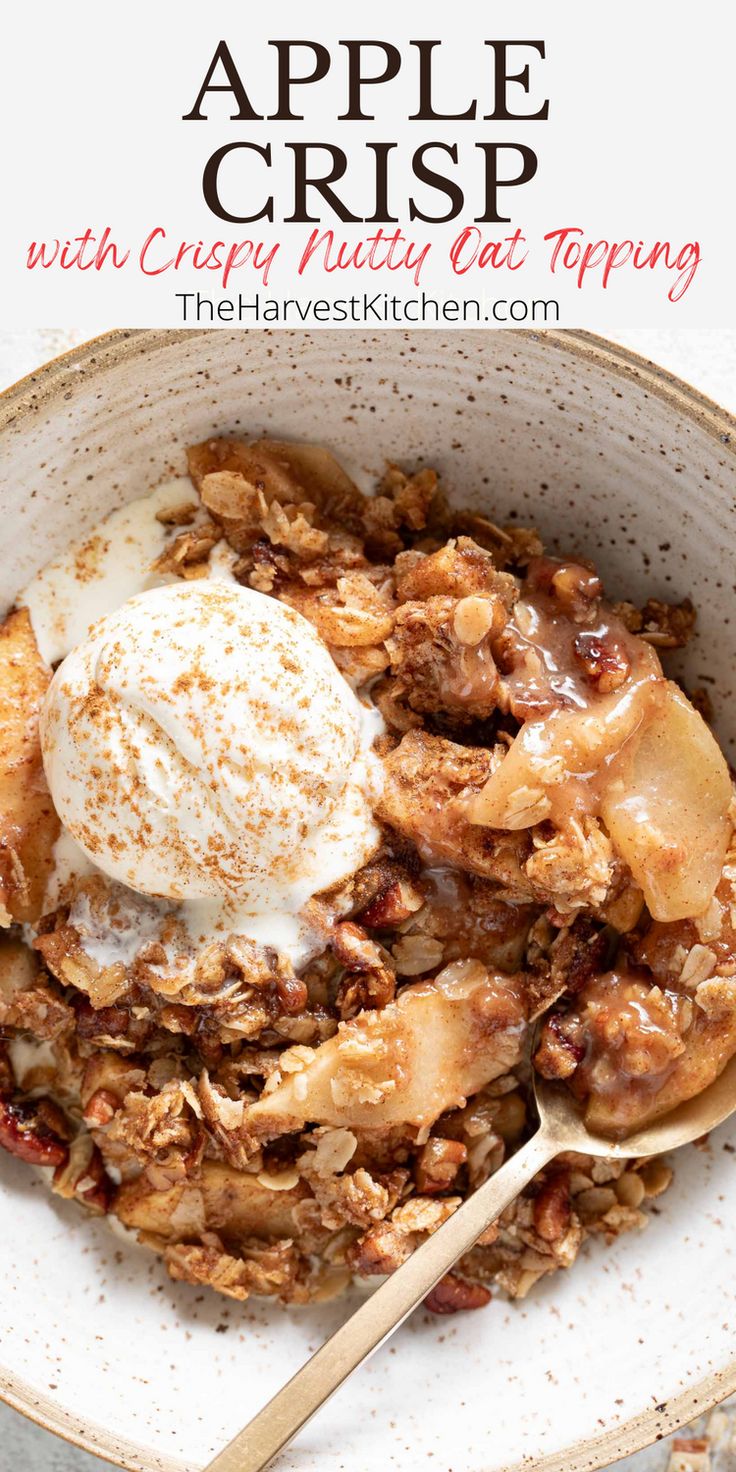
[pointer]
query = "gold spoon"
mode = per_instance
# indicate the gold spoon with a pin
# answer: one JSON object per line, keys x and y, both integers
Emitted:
{"x": 561, "y": 1127}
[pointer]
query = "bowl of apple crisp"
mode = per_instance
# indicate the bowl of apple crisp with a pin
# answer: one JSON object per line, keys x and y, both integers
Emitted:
{"x": 365, "y": 707}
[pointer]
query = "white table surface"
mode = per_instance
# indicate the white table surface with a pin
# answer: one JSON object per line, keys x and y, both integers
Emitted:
{"x": 705, "y": 358}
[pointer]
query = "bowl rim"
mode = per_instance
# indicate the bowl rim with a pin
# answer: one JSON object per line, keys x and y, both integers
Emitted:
{"x": 29, "y": 393}
{"x": 107, "y": 350}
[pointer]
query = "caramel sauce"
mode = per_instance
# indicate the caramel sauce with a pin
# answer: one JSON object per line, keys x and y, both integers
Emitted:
{"x": 572, "y": 732}
{"x": 644, "y": 1049}
{"x": 604, "y": 734}
{"x": 633, "y": 1031}
{"x": 539, "y": 651}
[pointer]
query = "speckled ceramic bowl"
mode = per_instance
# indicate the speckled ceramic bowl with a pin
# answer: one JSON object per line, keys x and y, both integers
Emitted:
{"x": 611, "y": 457}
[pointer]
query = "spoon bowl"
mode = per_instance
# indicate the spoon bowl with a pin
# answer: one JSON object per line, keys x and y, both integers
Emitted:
{"x": 561, "y": 1119}
{"x": 561, "y": 1127}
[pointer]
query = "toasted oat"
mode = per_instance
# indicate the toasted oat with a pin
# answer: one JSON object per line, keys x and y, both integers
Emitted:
{"x": 273, "y": 1132}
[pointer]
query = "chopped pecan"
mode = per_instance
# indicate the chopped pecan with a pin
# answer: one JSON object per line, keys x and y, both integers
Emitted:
{"x": 437, "y": 1165}
{"x": 371, "y": 882}
{"x": 603, "y": 659}
{"x": 100, "y": 1108}
{"x": 552, "y": 1209}
{"x": 34, "y": 1130}
{"x": 453, "y": 1295}
{"x": 365, "y": 991}
{"x": 397, "y": 902}
{"x": 558, "y": 1054}
{"x": 380, "y": 1250}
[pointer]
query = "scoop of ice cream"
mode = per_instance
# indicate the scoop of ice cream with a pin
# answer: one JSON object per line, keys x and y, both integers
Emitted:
{"x": 202, "y": 743}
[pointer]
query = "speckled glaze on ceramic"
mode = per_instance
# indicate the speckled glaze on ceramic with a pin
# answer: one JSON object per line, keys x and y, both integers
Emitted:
{"x": 610, "y": 457}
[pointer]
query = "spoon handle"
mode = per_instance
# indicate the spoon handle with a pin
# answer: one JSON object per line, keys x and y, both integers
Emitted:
{"x": 274, "y": 1427}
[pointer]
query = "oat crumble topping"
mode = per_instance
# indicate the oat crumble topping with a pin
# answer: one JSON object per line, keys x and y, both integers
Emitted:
{"x": 277, "y": 1129}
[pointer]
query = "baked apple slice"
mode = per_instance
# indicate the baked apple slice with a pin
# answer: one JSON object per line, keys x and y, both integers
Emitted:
{"x": 29, "y": 826}
{"x": 440, "y": 1042}
{"x": 667, "y": 808}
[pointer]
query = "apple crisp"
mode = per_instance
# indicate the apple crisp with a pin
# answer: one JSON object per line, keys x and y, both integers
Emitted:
{"x": 552, "y": 888}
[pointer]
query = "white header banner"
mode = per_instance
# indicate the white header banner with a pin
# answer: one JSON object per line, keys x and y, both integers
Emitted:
{"x": 408, "y": 165}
